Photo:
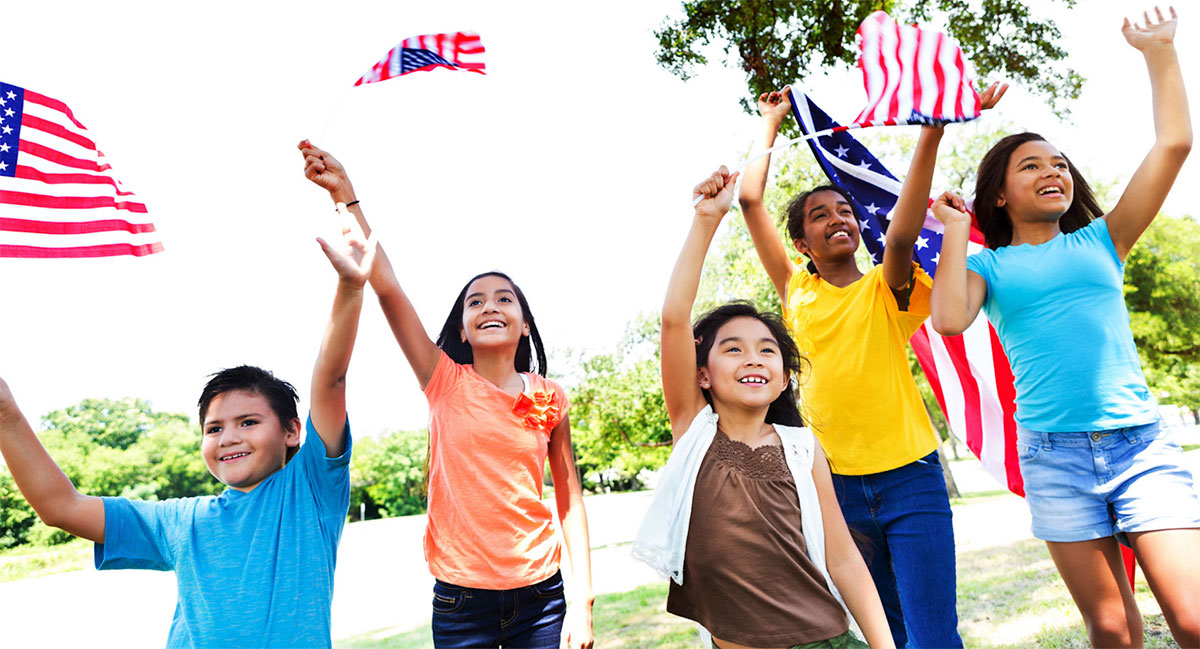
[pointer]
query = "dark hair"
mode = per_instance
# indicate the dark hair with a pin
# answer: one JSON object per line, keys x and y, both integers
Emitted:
{"x": 451, "y": 342}
{"x": 795, "y": 214}
{"x": 783, "y": 409}
{"x": 994, "y": 221}
{"x": 280, "y": 394}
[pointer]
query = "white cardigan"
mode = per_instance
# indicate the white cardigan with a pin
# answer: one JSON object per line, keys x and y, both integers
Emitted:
{"x": 662, "y": 537}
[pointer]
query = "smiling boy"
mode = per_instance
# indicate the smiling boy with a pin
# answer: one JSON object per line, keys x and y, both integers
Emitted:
{"x": 254, "y": 565}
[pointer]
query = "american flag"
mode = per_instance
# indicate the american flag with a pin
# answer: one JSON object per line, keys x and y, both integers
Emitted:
{"x": 912, "y": 75}
{"x": 969, "y": 373}
{"x": 457, "y": 51}
{"x": 58, "y": 195}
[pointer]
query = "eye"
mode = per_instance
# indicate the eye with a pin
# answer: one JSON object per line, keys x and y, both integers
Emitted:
{"x": 1062, "y": 165}
{"x": 846, "y": 212}
{"x": 768, "y": 350}
{"x": 1029, "y": 165}
{"x": 733, "y": 349}
{"x": 505, "y": 299}
{"x": 246, "y": 423}
{"x": 474, "y": 302}
{"x": 213, "y": 430}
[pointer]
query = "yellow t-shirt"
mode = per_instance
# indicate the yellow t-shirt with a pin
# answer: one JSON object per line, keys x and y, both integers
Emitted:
{"x": 859, "y": 396}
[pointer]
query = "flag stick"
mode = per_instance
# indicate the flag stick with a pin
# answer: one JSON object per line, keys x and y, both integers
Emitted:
{"x": 329, "y": 119}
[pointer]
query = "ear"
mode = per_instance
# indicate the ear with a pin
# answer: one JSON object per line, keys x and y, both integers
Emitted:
{"x": 525, "y": 330}
{"x": 462, "y": 335}
{"x": 801, "y": 246}
{"x": 702, "y": 378}
{"x": 1000, "y": 199}
{"x": 291, "y": 432}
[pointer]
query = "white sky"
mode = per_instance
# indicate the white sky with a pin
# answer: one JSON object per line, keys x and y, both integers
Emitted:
{"x": 569, "y": 167}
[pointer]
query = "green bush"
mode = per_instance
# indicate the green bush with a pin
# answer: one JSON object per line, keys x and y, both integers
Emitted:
{"x": 387, "y": 475}
{"x": 41, "y": 534}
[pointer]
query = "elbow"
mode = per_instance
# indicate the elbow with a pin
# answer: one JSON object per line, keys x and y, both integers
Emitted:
{"x": 748, "y": 202}
{"x": 946, "y": 326}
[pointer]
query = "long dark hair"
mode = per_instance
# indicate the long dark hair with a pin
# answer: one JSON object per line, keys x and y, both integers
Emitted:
{"x": 795, "y": 214}
{"x": 783, "y": 409}
{"x": 994, "y": 222}
{"x": 531, "y": 353}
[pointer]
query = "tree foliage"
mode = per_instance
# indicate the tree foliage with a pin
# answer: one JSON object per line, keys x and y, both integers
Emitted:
{"x": 777, "y": 42}
{"x": 387, "y": 475}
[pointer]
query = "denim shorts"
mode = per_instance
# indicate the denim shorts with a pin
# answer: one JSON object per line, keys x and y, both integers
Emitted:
{"x": 1091, "y": 485}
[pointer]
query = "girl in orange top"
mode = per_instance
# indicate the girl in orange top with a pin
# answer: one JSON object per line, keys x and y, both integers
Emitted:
{"x": 494, "y": 420}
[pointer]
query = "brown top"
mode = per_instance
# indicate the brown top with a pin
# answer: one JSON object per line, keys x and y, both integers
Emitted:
{"x": 747, "y": 577}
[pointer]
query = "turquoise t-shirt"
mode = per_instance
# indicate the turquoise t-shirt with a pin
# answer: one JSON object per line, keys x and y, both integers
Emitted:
{"x": 1059, "y": 310}
{"x": 253, "y": 569}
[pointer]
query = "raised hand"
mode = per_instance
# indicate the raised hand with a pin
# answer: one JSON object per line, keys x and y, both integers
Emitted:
{"x": 355, "y": 255}
{"x": 715, "y": 194}
{"x": 775, "y": 105}
{"x": 950, "y": 208}
{"x": 324, "y": 170}
{"x": 990, "y": 97}
{"x": 1155, "y": 32}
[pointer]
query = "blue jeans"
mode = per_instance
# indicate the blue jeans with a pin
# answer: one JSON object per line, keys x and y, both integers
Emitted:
{"x": 902, "y": 524}
{"x": 531, "y": 616}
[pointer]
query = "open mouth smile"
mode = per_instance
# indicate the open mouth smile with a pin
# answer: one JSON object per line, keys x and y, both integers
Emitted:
{"x": 232, "y": 456}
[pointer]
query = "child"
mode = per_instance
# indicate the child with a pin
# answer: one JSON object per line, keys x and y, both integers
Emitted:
{"x": 745, "y": 520}
{"x": 494, "y": 419}
{"x": 860, "y": 397}
{"x": 1088, "y": 436}
{"x": 255, "y": 564}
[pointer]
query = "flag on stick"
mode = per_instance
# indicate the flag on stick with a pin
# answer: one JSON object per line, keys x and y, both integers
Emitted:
{"x": 969, "y": 373}
{"x": 457, "y": 51}
{"x": 58, "y": 195}
{"x": 912, "y": 75}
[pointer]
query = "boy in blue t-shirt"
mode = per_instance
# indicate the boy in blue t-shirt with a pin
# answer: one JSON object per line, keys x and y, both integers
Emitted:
{"x": 255, "y": 564}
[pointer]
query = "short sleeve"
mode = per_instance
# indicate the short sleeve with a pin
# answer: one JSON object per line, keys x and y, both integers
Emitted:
{"x": 918, "y": 298}
{"x": 138, "y": 533}
{"x": 445, "y": 374}
{"x": 799, "y": 276}
{"x": 329, "y": 477}
{"x": 561, "y": 402}
{"x": 980, "y": 264}
{"x": 1098, "y": 233}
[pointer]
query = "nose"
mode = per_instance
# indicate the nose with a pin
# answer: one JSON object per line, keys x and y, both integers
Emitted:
{"x": 230, "y": 436}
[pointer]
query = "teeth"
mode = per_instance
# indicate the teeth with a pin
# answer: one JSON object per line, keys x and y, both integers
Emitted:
{"x": 1049, "y": 190}
{"x": 835, "y": 235}
{"x": 753, "y": 379}
{"x": 234, "y": 456}
{"x": 491, "y": 325}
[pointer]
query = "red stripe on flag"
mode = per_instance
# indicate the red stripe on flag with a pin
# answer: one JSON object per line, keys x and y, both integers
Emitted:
{"x": 894, "y": 103}
{"x": 939, "y": 74}
{"x": 916, "y": 71}
{"x": 960, "y": 65}
{"x": 920, "y": 345}
{"x": 83, "y": 227}
{"x": 80, "y": 252}
{"x": 970, "y": 389}
{"x": 29, "y": 173}
{"x": 68, "y": 202}
{"x": 48, "y": 102}
{"x": 1007, "y": 393}
{"x": 46, "y": 153}
{"x": 46, "y": 126}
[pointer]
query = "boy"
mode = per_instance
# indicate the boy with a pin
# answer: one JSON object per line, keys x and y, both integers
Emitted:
{"x": 255, "y": 564}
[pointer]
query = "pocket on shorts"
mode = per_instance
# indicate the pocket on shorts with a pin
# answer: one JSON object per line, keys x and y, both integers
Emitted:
{"x": 1028, "y": 452}
{"x": 552, "y": 588}
{"x": 447, "y": 599}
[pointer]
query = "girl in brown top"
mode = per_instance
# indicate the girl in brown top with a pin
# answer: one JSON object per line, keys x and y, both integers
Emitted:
{"x": 747, "y": 573}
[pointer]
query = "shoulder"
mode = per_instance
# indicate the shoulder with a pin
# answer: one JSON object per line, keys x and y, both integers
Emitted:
{"x": 445, "y": 374}
{"x": 981, "y": 262}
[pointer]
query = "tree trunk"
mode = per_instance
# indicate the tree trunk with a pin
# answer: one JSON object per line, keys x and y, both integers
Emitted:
{"x": 951, "y": 487}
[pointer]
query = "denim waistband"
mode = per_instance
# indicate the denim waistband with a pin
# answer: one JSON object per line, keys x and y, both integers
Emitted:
{"x": 1131, "y": 434}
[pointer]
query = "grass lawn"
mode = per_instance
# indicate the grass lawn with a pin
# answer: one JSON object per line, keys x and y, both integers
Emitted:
{"x": 1009, "y": 597}
{"x": 35, "y": 561}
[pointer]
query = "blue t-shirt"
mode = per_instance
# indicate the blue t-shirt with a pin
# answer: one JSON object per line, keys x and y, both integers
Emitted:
{"x": 253, "y": 569}
{"x": 1059, "y": 310}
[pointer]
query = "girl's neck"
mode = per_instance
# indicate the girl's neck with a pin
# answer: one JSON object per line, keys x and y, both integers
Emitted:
{"x": 748, "y": 426}
{"x": 841, "y": 272}
{"x": 1034, "y": 232}
{"x": 499, "y": 370}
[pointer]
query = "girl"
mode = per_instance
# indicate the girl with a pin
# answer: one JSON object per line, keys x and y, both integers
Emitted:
{"x": 494, "y": 419}
{"x": 1095, "y": 464}
{"x": 861, "y": 398}
{"x": 745, "y": 520}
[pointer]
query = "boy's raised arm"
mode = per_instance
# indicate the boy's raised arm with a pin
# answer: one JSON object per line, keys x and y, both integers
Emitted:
{"x": 352, "y": 260}
{"x": 43, "y": 484}
{"x": 326, "y": 172}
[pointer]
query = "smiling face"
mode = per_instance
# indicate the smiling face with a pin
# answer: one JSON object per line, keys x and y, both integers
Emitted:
{"x": 243, "y": 440}
{"x": 745, "y": 366}
{"x": 830, "y": 227}
{"x": 492, "y": 315}
{"x": 1037, "y": 183}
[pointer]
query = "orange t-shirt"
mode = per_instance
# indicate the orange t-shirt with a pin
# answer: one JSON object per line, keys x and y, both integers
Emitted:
{"x": 487, "y": 525}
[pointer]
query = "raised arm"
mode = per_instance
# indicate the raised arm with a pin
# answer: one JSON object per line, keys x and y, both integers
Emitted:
{"x": 681, "y": 391}
{"x": 909, "y": 213}
{"x": 957, "y": 292}
{"x": 1172, "y": 133}
{"x": 771, "y": 251}
{"x": 568, "y": 496}
{"x": 846, "y": 567}
{"x": 326, "y": 172}
{"x": 43, "y": 484}
{"x": 352, "y": 260}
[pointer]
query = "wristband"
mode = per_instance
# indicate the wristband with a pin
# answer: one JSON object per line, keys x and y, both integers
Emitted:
{"x": 353, "y": 202}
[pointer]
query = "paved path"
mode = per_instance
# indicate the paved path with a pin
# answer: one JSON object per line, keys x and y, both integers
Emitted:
{"x": 382, "y": 581}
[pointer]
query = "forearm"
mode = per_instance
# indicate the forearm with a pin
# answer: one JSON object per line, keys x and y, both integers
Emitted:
{"x": 913, "y": 203}
{"x": 685, "y": 278}
{"x": 1172, "y": 120}
{"x": 754, "y": 182}
{"x": 950, "y": 300}
{"x": 854, "y": 582}
{"x": 328, "y": 401}
{"x": 578, "y": 542}
{"x": 42, "y": 483}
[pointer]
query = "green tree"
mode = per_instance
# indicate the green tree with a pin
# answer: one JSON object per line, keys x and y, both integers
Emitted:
{"x": 387, "y": 474}
{"x": 115, "y": 423}
{"x": 776, "y": 42}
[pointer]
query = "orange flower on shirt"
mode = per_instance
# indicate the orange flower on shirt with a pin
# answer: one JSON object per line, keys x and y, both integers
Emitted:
{"x": 538, "y": 409}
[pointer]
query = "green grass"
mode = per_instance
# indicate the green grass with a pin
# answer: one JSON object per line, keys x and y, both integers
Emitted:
{"x": 979, "y": 496}
{"x": 36, "y": 561}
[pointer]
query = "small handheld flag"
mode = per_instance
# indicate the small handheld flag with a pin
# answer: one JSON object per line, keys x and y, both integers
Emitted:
{"x": 58, "y": 195}
{"x": 457, "y": 51}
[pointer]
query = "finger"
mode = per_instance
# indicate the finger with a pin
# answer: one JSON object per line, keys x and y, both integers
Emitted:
{"x": 368, "y": 260}
{"x": 1146, "y": 16}
{"x": 328, "y": 250}
{"x": 1158, "y": 12}
{"x": 1172, "y": 11}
